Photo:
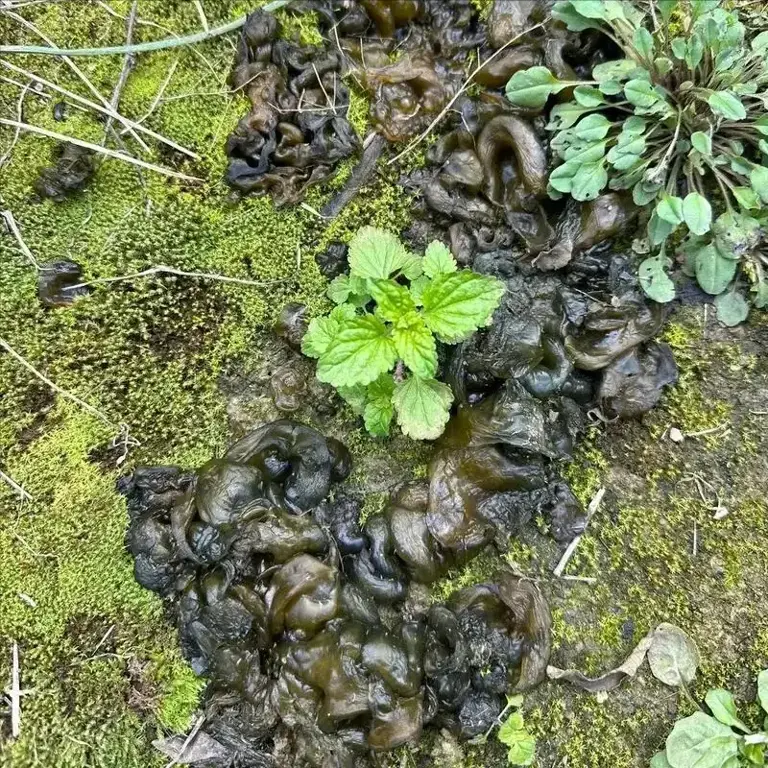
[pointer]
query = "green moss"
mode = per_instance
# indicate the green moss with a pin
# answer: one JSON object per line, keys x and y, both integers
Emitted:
{"x": 180, "y": 691}
{"x": 300, "y": 27}
{"x": 586, "y": 472}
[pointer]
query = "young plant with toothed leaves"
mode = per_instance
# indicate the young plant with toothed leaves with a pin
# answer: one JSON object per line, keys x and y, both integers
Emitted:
{"x": 681, "y": 122}
{"x": 378, "y": 348}
{"x": 720, "y": 739}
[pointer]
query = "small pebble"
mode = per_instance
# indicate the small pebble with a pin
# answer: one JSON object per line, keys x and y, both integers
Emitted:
{"x": 675, "y": 435}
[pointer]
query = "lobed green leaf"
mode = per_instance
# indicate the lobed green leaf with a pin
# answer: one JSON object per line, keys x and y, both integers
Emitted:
{"x": 362, "y": 349}
{"x": 438, "y": 260}
{"x": 376, "y": 253}
{"x": 457, "y": 304}
{"x": 423, "y": 407}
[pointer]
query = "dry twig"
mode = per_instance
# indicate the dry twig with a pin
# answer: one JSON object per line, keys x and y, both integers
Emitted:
{"x": 74, "y": 398}
{"x": 128, "y": 64}
{"x": 130, "y": 124}
{"x": 20, "y": 118}
{"x": 162, "y": 269}
{"x": 102, "y": 150}
{"x": 14, "y": 230}
{"x": 568, "y": 554}
{"x": 16, "y": 487}
{"x": 15, "y": 694}
{"x": 195, "y": 730}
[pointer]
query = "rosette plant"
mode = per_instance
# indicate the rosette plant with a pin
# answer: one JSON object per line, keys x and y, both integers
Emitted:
{"x": 680, "y": 121}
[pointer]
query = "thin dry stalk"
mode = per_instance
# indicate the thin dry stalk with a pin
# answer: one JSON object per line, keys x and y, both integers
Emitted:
{"x": 447, "y": 108}
{"x": 79, "y": 72}
{"x": 201, "y": 15}
{"x": 93, "y": 105}
{"x": 16, "y": 487}
{"x": 15, "y": 694}
{"x": 20, "y": 118}
{"x": 129, "y": 62}
{"x": 14, "y": 230}
{"x": 101, "y": 150}
{"x": 195, "y": 730}
{"x": 63, "y": 392}
{"x": 160, "y": 92}
{"x": 568, "y": 554}
{"x": 162, "y": 269}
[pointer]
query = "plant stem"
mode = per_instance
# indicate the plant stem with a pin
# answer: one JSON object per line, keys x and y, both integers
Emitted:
{"x": 155, "y": 45}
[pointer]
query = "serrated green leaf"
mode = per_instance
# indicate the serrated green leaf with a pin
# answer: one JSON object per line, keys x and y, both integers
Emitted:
{"x": 376, "y": 253}
{"x": 532, "y": 87}
{"x": 727, "y": 104}
{"x": 412, "y": 269}
{"x": 513, "y": 734}
{"x": 415, "y": 345}
{"x": 339, "y": 289}
{"x": 713, "y": 271}
{"x": 422, "y": 406}
{"x": 746, "y": 197}
{"x": 361, "y": 350}
{"x": 699, "y": 740}
{"x": 417, "y": 289}
{"x": 378, "y": 411}
{"x": 759, "y": 43}
{"x": 758, "y": 178}
{"x": 643, "y": 41}
{"x": 654, "y": 280}
{"x": 392, "y": 299}
{"x": 614, "y": 70}
{"x": 732, "y": 308}
{"x": 702, "y": 142}
{"x": 670, "y": 208}
{"x": 456, "y": 305}
{"x": 319, "y": 336}
{"x": 762, "y": 689}
{"x": 588, "y": 96}
{"x": 723, "y": 707}
{"x": 438, "y": 260}
{"x": 355, "y": 397}
{"x": 697, "y": 213}
{"x": 589, "y": 181}
{"x": 659, "y": 229}
{"x": 640, "y": 93}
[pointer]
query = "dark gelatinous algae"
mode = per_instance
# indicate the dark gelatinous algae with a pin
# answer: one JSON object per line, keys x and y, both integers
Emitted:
{"x": 310, "y": 627}
{"x": 296, "y": 130}
{"x": 72, "y": 170}
{"x": 315, "y": 631}
{"x": 56, "y": 283}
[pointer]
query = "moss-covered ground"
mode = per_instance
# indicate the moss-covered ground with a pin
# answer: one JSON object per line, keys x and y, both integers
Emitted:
{"x": 99, "y": 663}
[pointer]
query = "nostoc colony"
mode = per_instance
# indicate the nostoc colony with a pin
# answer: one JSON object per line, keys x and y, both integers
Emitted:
{"x": 316, "y": 632}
